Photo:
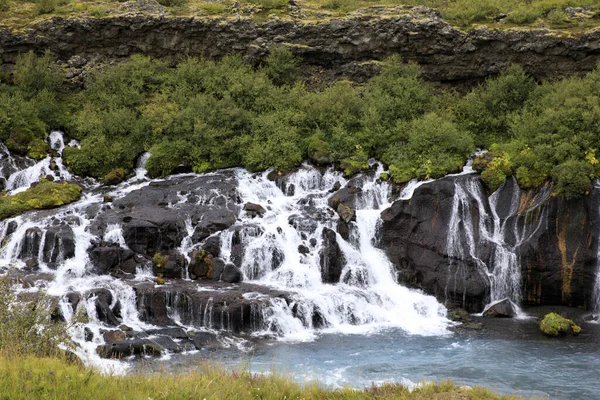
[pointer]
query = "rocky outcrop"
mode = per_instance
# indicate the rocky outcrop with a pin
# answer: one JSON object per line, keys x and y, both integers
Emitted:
{"x": 441, "y": 241}
{"x": 153, "y": 219}
{"x": 331, "y": 257}
{"x": 337, "y": 47}
{"x": 222, "y": 306}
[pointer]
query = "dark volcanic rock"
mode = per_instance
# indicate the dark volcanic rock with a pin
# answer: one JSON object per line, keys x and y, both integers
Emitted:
{"x": 234, "y": 308}
{"x": 503, "y": 308}
{"x": 59, "y": 244}
{"x": 112, "y": 259}
{"x": 414, "y": 235}
{"x": 30, "y": 246}
{"x": 331, "y": 257}
{"x": 231, "y": 274}
{"x": 554, "y": 240}
{"x": 153, "y": 218}
{"x": 254, "y": 210}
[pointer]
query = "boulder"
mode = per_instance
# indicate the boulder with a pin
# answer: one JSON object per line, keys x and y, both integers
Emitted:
{"x": 331, "y": 257}
{"x": 503, "y": 308}
{"x": 254, "y": 210}
{"x": 231, "y": 274}
{"x": 346, "y": 213}
{"x": 30, "y": 245}
{"x": 59, "y": 244}
{"x": 112, "y": 259}
{"x": 555, "y": 325}
{"x": 130, "y": 347}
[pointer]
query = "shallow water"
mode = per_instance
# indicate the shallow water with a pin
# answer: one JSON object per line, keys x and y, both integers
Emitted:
{"x": 508, "y": 356}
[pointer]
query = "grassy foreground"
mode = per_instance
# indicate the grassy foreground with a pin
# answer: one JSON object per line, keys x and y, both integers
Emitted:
{"x": 52, "y": 378}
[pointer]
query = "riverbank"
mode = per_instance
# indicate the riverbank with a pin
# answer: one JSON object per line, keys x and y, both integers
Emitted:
{"x": 54, "y": 378}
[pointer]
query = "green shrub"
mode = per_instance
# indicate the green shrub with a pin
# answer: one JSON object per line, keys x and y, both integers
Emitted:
{"x": 556, "y": 325}
{"x": 435, "y": 147}
{"x": 274, "y": 144}
{"x": 573, "y": 178}
{"x": 43, "y": 195}
{"x": 33, "y": 74}
{"x": 45, "y": 6}
{"x": 281, "y": 66}
{"x": 4, "y": 5}
{"x": 172, "y": 3}
{"x": 487, "y": 109}
{"x": 215, "y": 8}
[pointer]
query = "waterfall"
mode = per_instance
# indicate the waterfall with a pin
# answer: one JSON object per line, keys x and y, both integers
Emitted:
{"x": 50, "y": 166}
{"x": 366, "y": 298}
{"x": 477, "y": 225}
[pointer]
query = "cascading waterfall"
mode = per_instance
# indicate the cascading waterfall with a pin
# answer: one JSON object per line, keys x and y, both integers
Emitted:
{"x": 367, "y": 297}
{"x": 49, "y": 166}
{"x": 282, "y": 250}
{"x": 473, "y": 230}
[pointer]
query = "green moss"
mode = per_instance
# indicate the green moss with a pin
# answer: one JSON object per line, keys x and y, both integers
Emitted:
{"x": 115, "y": 176}
{"x": 556, "y": 325}
{"x": 159, "y": 260}
{"x": 43, "y": 195}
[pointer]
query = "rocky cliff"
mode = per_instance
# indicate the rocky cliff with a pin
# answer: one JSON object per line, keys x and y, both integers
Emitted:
{"x": 334, "y": 47}
{"x": 454, "y": 241}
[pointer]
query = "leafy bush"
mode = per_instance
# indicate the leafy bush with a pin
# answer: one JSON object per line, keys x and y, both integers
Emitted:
{"x": 4, "y": 5}
{"x": 435, "y": 147}
{"x": 556, "y": 325}
{"x": 281, "y": 66}
{"x": 573, "y": 178}
{"x": 33, "y": 74}
{"x": 487, "y": 109}
{"x": 45, "y": 6}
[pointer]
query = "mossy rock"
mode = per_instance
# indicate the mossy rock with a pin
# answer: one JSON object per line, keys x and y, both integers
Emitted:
{"x": 42, "y": 195}
{"x": 556, "y": 325}
{"x": 115, "y": 176}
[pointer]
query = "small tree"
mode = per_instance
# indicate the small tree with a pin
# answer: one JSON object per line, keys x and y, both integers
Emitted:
{"x": 281, "y": 66}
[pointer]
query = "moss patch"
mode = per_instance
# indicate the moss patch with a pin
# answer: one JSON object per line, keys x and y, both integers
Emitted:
{"x": 555, "y": 325}
{"x": 44, "y": 195}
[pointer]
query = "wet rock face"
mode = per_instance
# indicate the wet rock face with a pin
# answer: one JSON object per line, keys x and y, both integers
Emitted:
{"x": 559, "y": 261}
{"x": 202, "y": 305}
{"x": 331, "y": 258}
{"x": 414, "y": 235}
{"x": 113, "y": 259}
{"x": 554, "y": 242}
{"x": 153, "y": 219}
{"x": 342, "y": 46}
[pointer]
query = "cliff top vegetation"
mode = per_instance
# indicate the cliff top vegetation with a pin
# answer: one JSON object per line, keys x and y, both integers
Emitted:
{"x": 555, "y": 14}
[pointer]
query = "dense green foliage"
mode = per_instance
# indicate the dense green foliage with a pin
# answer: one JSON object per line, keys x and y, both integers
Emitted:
{"x": 205, "y": 115}
{"x": 555, "y": 325}
{"x": 43, "y": 195}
